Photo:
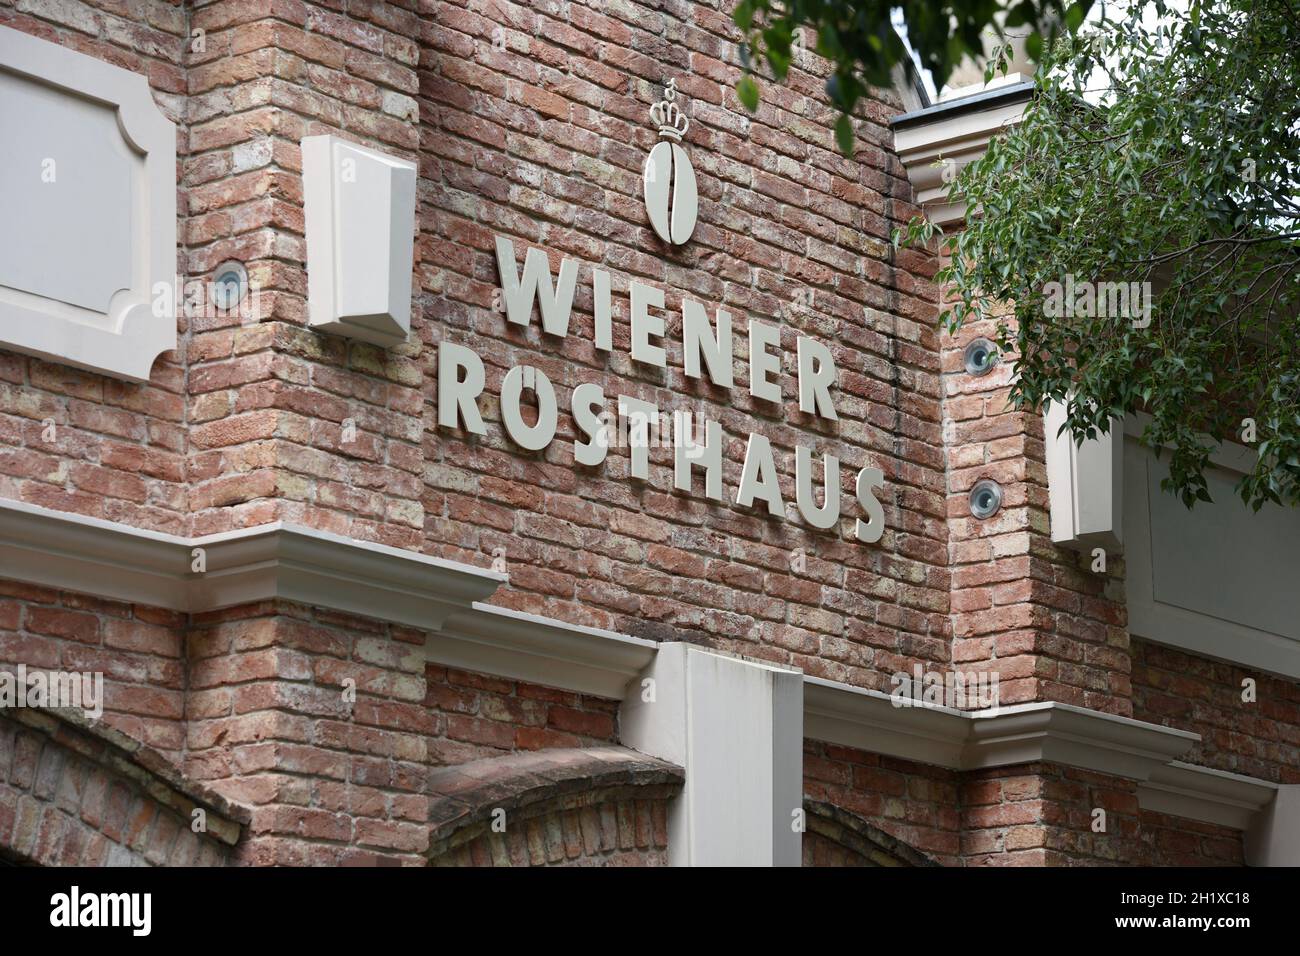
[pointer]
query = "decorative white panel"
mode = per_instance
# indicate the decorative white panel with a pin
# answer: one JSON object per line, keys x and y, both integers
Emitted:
{"x": 360, "y": 208}
{"x": 88, "y": 211}
{"x": 1219, "y": 580}
{"x": 1084, "y": 483}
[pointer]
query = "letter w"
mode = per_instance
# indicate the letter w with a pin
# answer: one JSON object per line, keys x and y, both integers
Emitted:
{"x": 519, "y": 293}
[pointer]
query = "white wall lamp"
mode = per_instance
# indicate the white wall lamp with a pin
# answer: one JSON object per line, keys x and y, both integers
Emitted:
{"x": 1085, "y": 483}
{"x": 360, "y": 213}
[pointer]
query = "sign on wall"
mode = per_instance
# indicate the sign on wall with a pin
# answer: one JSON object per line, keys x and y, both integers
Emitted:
{"x": 605, "y": 421}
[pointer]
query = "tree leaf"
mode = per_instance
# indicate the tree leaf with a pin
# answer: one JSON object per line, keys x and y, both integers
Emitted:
{"x": 747, "y": 92}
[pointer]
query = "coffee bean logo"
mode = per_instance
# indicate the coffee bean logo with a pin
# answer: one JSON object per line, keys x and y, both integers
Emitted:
{"x": 671, "y": 197}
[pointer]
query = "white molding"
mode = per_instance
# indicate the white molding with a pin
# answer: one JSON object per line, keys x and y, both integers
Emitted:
{"x": 272, "y": 561}
{"x": 359, "y": 206}
{"x": 539, "y": 650}
{"x": 1190, "y": 630}
{"x": 121, "y": 337}
{"x": 968, "y": 740}
{"x": 959, "y": 134}
{"x": 1073, "y": 736}
{"x": 868, "y": 720}
{"x": 276, "y": 561}
{"x": 1210, "y": 796}
{"x": 1230, "y": 456}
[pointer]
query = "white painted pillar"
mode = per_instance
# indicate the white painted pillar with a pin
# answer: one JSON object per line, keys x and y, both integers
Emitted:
{"x": 1274, "y": 837}
{"x": 736, "y": 726}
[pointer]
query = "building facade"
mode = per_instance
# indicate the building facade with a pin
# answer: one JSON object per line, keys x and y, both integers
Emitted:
{"x": 458, "y": 433}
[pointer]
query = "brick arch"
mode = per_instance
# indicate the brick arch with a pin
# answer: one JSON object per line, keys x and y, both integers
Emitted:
{"x": 74, "y": 792}
{"x": 598, "y": 806}
{"x": 834, "y": 836}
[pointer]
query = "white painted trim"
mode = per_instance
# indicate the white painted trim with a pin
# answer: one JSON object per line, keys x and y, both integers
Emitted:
{"x": 102, "y": 558}
{"x": 126, "y": 337}
{"x": 735, "y": 725}
{"x": 539, "y": 650}
{"x": 1228, "y": 455}
{"x": 1179, "y": 627}
{"x": 868, "y": 720}
{"x": 967, "y": 740}
{"x": 1210, "y": 796}
{"x": 272, "y": 561}
{"x": 961, "y": 139}
{"x": 1073, "y": 736}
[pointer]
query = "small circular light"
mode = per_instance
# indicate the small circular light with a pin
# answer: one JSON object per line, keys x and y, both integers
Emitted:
{"x": 985, "y": 498}
{"x": 981, "y": 356}
{"x": 229, "y": 285}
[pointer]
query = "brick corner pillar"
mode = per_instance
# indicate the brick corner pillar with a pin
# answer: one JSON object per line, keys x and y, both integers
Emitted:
{"x": 736, "y": 726}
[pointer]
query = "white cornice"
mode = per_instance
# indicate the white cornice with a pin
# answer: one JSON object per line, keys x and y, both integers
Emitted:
{"x": 1073, "y": 736}
{"x": 967, "y": 740}
{"x": 272, "y": 561}
{"x": 1200, "y": 793}
{"x": 87, "y": 555}
{"x": 868, "y": 720}
{"x": 541, "y": 650}
{"x": 948, "y": 136}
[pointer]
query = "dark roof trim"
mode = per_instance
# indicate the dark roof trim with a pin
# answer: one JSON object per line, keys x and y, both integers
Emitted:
{"x": 912, "y": 75}
{"x": 1015, "y": 93}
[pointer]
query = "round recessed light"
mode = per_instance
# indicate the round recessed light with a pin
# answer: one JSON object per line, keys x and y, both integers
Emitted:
{"x": 985, "y": 498}
{"x": 229, "y": 285}
{"x": 981, "y": 355}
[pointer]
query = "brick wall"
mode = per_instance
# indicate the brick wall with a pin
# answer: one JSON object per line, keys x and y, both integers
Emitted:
{"x": 627, "y": 833}
{"x": 529, "y": 121}
{"x": 1023, "y": 815}
{"x": 75, "y": 794}
{"x": 327, "y": 727}
{"x": 541, "y": 141}
{"x": 269, "y": 399}
{"x": 1259, "y": 738}
{"x": 1175, "y": 841}
{"x": 599, "y": 806}
{"x": 821, "y": 851}
{"x": 835, "y": 836}
{"x": 1132, "y": 836}
{"x": 138, "y": 649}
{"x": 915, "y": 803}
{"x": 252, "y": 701}
{"x": 241, "y": 425}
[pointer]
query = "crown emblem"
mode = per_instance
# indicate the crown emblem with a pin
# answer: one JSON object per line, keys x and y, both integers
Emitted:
{"x": 671, "y": 199}
{"x": 668, "y": 116}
